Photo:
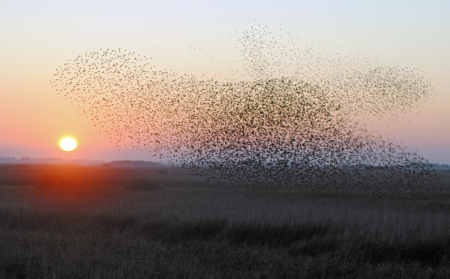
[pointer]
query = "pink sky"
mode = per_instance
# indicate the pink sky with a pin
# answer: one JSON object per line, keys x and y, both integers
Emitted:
{"x": 38, "y": 39}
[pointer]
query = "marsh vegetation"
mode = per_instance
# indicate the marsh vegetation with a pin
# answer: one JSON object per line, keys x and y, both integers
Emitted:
{"x": 93, "y": 222}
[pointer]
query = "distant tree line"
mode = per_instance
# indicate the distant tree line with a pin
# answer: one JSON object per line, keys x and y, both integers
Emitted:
{"x": 58, "y": 161}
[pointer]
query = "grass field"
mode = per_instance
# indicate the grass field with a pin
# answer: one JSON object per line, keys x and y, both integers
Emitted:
{"x": 93, "y": 222}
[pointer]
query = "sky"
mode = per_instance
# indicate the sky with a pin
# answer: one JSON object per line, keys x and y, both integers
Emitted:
{"x": 37, "y": 37}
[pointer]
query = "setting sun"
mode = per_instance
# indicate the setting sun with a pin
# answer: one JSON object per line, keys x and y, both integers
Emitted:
{"x": 68, "y": 144}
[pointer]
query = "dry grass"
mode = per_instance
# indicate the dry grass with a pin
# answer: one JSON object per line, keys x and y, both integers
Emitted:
{"x": 138, "y": 223}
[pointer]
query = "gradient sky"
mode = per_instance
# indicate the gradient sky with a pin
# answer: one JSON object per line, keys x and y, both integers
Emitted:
{"x": 39, "y": 36}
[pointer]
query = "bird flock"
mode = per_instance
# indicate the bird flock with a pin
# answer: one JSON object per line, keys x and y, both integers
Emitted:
{"x": 295, "y": 118}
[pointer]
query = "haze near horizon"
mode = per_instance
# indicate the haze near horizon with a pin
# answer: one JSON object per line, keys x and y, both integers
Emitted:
{"x": 203, "y": 40}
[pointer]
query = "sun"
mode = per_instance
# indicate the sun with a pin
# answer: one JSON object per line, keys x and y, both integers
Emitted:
{"x": 68, "y": 144}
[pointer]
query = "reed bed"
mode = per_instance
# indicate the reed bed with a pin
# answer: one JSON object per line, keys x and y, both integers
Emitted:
{"x": 170, "y": 225}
